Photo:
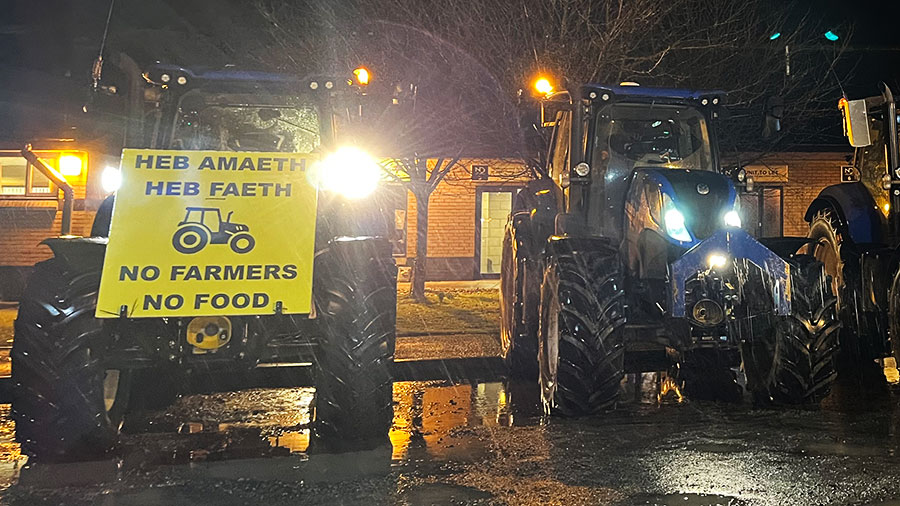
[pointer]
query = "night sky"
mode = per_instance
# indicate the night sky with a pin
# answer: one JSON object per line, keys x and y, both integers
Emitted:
{"x": 49, "y": 44}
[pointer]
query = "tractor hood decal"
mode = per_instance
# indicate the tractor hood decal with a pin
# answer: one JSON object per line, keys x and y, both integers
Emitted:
{"x": 702, "y": 196}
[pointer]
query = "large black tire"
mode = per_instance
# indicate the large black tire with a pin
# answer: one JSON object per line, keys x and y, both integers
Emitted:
{"x": 581, "y": 341}
{"x": 519, "y": 298}
{"x": 861, "y": 331}
{"x": 57, "y": 372}
{"x": 792, "y": 359}
{"x": 355, "y": 295}
{"x": 707, "y": 375}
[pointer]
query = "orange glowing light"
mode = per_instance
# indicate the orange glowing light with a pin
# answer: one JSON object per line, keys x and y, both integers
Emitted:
{"x": 543, "y": 86}
{"x": 362, "y": 76}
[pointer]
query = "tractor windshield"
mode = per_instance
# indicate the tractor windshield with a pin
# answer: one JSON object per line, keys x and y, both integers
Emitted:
{"x": 243, "y": 122}
{"x": 652, "y": 135}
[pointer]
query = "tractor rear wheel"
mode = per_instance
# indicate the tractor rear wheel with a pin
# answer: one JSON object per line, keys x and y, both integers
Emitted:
{"x": 792, "y": 359}
{"x": 355, "y": 296}
{"x": 860, "y": 329}
{"x": 66, "y": 405}
{"x": 519, "y": 294}
{"x": 581, "y": 341}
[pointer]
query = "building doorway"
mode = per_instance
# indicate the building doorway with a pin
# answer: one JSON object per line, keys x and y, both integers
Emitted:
{"x": 762, "y": 211}
{"x": 492, "y": 208}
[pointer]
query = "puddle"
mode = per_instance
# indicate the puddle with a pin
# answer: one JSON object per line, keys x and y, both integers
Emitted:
{"x": 428, "y": 417}
{"x": 440, "y": 494}
{"x": 434, "y": 421}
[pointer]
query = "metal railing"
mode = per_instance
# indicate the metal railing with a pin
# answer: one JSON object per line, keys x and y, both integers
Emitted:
{"x": 60, "y": 181}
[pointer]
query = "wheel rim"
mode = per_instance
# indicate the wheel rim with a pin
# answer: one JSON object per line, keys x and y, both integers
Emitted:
{"x": 549, "y": 352}
{"x": 894, "y": 317}
{"x": 507, "y": 299}
{"x": 110, "y": 388}
{"x": 116, "y": 390}
{"x": 827, "y": 251}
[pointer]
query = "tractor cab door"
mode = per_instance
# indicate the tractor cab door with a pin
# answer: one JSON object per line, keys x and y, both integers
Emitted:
{"x": 558, "y": 157}
{"x": 871, "y": 162}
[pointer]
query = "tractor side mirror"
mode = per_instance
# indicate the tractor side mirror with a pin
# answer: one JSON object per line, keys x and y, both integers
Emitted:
{"x": 856, "y": 122}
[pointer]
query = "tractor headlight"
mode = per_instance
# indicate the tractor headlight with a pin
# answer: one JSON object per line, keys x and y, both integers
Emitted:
{"x": 349, "y": 171}
{"x": 675, "y": 225}
{"x": 732, "y": 219}
{"x": 111, "y": 179}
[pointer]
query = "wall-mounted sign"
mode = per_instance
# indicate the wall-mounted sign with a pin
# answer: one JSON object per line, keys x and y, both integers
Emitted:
{"x": 768, "y": 173}
{"x": 480, "y": 173}
{"x": 849, "y": 174}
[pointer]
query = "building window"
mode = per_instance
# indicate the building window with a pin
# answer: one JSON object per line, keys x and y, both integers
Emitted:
{"x": 18, "y": 178}
{"x": 495, "y": 209}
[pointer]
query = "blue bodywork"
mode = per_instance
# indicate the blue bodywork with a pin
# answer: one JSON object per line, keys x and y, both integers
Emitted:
{"x": 737, "y": 244}
{"x": 661, "y": 178}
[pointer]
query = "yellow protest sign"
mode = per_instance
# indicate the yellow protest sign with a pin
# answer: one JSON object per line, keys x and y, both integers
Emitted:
{"x": 199, "y": 233}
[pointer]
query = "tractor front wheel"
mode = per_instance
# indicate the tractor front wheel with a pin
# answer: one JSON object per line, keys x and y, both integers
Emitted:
{"x": 66, "y": 404}
{"x": 519, "y": 294}
{"x": 792, "y": 359}
{"x": 355, "y": 295}
{"x": 581, "y": 341}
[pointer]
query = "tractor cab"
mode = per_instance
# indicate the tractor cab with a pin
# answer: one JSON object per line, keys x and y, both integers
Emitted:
{"x": 227, "y": 109}
{"x": 875, "y": 138}
{"x": 645, "y": 171}
{"x": 232, "y": 110}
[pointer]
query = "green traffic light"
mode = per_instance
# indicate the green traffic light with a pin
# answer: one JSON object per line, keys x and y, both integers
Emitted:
{"x": 831, "y": 36}
{"x": 775, "y": 36}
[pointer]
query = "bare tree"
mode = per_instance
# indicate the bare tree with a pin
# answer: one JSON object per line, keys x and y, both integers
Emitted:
{"x": 455, "y": 68}
{"x": 421, "y": 179}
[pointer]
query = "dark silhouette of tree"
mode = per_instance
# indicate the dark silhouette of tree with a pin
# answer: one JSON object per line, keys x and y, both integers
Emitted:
{"x": 456, "y": 69}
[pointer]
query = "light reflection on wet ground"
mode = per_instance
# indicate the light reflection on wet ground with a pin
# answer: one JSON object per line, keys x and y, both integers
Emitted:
{"x": 486, "y": 443}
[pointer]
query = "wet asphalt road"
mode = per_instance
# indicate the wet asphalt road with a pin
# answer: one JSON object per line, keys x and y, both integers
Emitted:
{"x": 483, "y": 441}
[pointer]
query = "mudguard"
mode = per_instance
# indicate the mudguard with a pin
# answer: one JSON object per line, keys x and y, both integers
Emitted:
{"x": 540, "y": 202}
{"x": 565, "y": 244}
{"x": 855, "y": 207}
{"x": 81, "y": 254}
{"x": 738, "y": 244}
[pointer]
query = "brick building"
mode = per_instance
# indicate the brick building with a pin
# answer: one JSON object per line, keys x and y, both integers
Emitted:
{"x": 466, "y": 219}
{"x": 467, "y": 216}
{"x": 31, "y": 209}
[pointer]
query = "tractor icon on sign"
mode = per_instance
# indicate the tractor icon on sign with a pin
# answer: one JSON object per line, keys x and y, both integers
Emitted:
{"x": 204, "y": 225}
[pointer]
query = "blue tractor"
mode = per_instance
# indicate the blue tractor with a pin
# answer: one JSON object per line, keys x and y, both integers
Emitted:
{"x": 854, "y": 230}
{"x": 626, "y": 254}
{"x": 77, "y": 376}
